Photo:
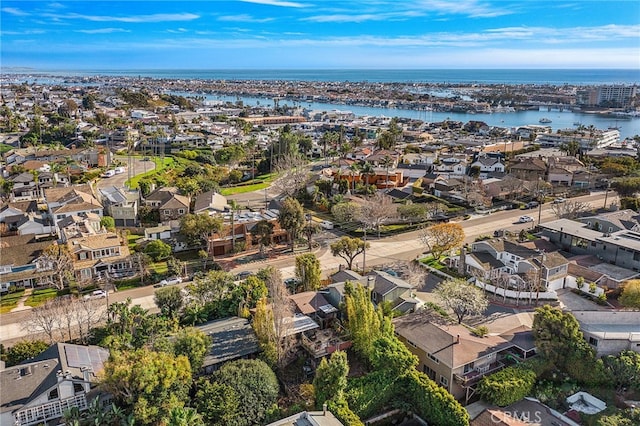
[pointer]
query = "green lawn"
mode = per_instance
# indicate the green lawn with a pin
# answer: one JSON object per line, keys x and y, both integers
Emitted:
{"x": 159, "y": 267}
{"x": 131, "y": 240}
{"x": 41, "y": 296}
{"x": 260, "y": 183}
{"x": 168, "y": 162}
{"x": 9, "y": 301}
{"x": 5, "y": 148}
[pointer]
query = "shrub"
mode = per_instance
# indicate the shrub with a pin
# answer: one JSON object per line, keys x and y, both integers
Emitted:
{"x": 341, "y": 410}
{"x": 481, "y": 331}
{"x": 507, "y": 386}
{"x": 432, "y": 402}
{"x": 592, "y": 287}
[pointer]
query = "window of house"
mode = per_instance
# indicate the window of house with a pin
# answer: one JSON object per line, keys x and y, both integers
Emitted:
{"x": 444, "y": 381}
{"x": 411, "y": 343}
{"x": 53, "y": 394}
{"x": 429, "y": 372}
{"x": 82, "y": 255}
{"x": 593, "y": 341}
{"x": 611, "y": 229}
{"x": 181, "y": 211}
{"x": 433, "y": 358}
{"x": 78, "y": 388}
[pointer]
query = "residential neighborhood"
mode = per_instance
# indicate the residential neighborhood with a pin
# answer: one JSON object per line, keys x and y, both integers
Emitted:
{"x": 284, "y": 265}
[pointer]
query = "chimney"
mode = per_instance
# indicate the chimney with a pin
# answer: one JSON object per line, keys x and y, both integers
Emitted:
{"x": 85, "y": 376}
{"x": 371, "y": 281}
{"x": 457, "y": 339}
{"x": 324, "y": 409}
{"x": 59, "y": 375}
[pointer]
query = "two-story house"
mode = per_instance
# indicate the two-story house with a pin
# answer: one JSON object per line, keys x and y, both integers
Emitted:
{"x": 488, "y": 166}
{"x": 19, "y": 263}
{"x": 72, "y": 200}
{"x": 94, "y": 256}
{"x": 121, "y": 204}
{"x": 40, "y": 390}
{"x": 169, "y": 203}
{"x": 529, "y": 169}
{"x": 455, "y": 358}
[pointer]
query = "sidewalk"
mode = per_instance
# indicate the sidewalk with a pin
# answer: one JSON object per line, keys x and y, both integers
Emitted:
{"x": 20, "y": 306}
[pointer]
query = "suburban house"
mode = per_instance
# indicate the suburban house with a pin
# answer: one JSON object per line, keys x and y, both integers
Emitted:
{"x": 610, "y": 332}
{"x": 314, "y": 305}
{"x": 24, "y": 187}
{"x": 514, "y": 263}
{"x": 121, "y": 204}
{"x": 452, "y": 356}
{"x": 210, "y": 202}
{"x": 529, "y": 169}
{"x": 233, "y": 338}
{"x": 488, "y": 166}
{"x": 620, "y": 248}
{"x": 39, "y": 391}
{"x": 157, "y": 233}
{"x": 19, "y": 263}
{"x": 72, "y": 200}
{"x": 169, "y": 203}
{"x": 94, "y": 256}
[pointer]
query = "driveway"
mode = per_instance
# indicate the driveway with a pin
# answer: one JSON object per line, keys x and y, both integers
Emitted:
{"x": 572, "y": 302}
{"x": 138, "y": 166}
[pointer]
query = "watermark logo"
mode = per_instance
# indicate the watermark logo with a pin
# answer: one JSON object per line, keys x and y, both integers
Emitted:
{"x": 523, "y": 416}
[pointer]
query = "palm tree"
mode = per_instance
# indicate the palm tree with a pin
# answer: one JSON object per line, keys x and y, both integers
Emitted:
{"x": 354, "y": 169}
{"x": 367, "y": 170}
{"x": 387, "y": 162}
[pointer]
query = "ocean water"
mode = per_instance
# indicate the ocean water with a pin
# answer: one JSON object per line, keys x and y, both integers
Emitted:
{"x": 452, "y": 76}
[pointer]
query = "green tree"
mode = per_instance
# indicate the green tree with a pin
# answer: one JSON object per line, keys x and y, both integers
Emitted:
{"x": 507, "y": 386}
{"x": 183, "y": 416}
{"x": 217, "y": 402}
{"x": 630, "y": 296}
{"x": 348, "y": 249}
{"x": 158, "y": 250}
{"x": 169, "y": 300}
{"x": 263, "y": 230}
{"x": 291, "y": 218}
{"x": 23, "y": 351}
{"x": 330, "y": 380}
{"x": 194, "y": 344}
{"x": 198, "y": 227}
{"x": 175, "y": 267}
{"x": 624, "y": 368}
{"x": 391, "y": 357}
{"x": 108, "y": 223}
{"x": 462, "y": 298}
{"x": 308, "y": 271}
{"x": 365, "y": 323}
{"x": 571, "y": 148}
{"x": 558, "y": 337}
{"x": 256, "y": 386}
{"x": 146, "y": 383}
{"x": 346, "y": 212}
{"x": 626, "y": 187}
{"x": 413, "y": 212}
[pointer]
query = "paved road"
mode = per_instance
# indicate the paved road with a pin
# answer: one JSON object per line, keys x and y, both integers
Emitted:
{"x": 138, "y": 166}
{"x": 401, "y": 247}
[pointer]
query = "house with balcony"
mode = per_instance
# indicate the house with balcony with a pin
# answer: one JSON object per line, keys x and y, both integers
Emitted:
{"x": 40, "y": 390}
{"x": 24, "y": 187}
{"x": 20, "y": 263}
{"x": 232, "y": 338}
{"x": 455, "y": 358}
{"x": 99, "y": 255}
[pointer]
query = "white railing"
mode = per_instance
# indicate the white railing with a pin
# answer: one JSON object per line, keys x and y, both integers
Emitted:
{"x": 49, "y": 410}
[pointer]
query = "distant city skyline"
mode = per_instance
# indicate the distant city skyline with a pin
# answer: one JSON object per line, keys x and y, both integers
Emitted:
{"x": 319, "y": 34}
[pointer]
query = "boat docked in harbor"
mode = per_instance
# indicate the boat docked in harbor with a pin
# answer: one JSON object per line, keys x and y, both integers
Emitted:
{"x": 545, "y": 120}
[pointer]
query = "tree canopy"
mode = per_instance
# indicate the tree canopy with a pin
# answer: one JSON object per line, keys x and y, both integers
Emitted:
{"x": 630, "y": 296}
{"x": 442, "y": 237}
{"x": 348, "y": 248}
{"x": 308, "y": 271}
{"x": 462, "y": 298}
{"x": 291, "y": 218}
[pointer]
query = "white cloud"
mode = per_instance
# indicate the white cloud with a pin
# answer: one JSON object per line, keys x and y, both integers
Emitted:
{"x": 103, "y": 31}
{"x": 244, "y": 18}
{"x": 158, "y": 17}
{"x": 20, "y": 33}
{"x": 14, "y": 11}
{"x": 279, "y": 3}
{"x": 363, "y": 17}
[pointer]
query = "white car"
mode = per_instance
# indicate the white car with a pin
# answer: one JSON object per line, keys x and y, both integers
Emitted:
{"x": 170, "y": 281}
{"x": 96, "y": 294}
{"x": 559, "y": 200}
{"x": 119, "y": 170}
{"x": 109, "y": 173}
{"x": 525, "y": 219}
{"x": 327, "y": 224}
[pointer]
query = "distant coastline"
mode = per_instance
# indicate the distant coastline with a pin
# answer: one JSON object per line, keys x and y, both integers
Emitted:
{"x": 580, "y": 77}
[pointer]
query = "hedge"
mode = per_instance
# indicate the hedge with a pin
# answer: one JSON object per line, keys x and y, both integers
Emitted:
{"x": 507, "y": 386}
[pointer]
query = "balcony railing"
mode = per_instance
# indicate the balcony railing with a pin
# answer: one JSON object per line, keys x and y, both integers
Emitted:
{"x": 474, "y": 376}
{"x": 50, "y": 410}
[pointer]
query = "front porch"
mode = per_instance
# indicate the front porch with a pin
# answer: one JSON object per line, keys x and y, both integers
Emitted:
{"x": 49, "y": 410}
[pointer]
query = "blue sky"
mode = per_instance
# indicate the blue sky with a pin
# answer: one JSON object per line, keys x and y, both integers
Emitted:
{"x": 261, "y": 34}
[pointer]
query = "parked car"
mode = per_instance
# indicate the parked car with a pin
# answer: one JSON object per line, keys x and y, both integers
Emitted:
{"x": 96, "y": 294}
{"x": 119, "y": 170}
{"x": 170, "y": 281}
{"x": 327, "y": 224}
{"x": 559, "y": 200}
{"x": 525, "y": 219}
{"x": 109, "y": 173}
{"x": 532, "y": 204}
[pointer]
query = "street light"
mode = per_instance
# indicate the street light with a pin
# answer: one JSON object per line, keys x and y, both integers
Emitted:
{"x": 606, "y": 192}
